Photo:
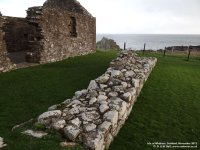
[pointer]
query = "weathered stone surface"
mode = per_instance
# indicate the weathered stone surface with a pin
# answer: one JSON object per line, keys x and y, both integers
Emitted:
{"x": 127, "y": 97}
{"x": 89, "y": 127}
{"x": 102, "y": 98}
{"x": 103, "y": 79}
{"x": 36, "y": 134}
{"x": 105, "y": 126}
{"x": 103, "y": 108}
{"x": 90, "y": 116}
{"x": 71, "y": 132}
{"x": 75, "y": 122}
{"x": 93, "y": 85}
{"x": 129, "y": 73}
{"x": 116, "y": 74}
{"x": 113, "y": 94}
{"x": 48, "y": 115}
{"x": 94, "y": 140}
{"x": 74, "y": 111}
{"x": 92, "y": 101}
{"x": 2, "y": 144}
{"x": 111, "y": 116}
{"x": 58, "y": 124}
{"x": 136, "y": 83}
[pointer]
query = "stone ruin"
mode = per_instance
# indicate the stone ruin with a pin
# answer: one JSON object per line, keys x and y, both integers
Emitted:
{"x": 95, "y": 115}
{"x": 57, "y": 30}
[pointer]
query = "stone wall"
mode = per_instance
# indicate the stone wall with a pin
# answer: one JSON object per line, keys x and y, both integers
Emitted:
{"x": 5, "y": 63}
{"x": 65, "y": 29}
{"x": 17, "y": 34}
{"x": 95, "y": 115}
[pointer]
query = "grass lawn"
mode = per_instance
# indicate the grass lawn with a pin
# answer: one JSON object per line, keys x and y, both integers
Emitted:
{"x": 167, "y": 110}
{"x": 26, "y": 93}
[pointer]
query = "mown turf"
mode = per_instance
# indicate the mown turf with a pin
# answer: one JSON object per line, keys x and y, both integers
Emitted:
{"x": 168, "y": 108}
{"x": 26, "y": 93}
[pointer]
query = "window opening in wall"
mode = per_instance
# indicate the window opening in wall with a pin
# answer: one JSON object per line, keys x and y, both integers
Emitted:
{"x": 72, "y": 27}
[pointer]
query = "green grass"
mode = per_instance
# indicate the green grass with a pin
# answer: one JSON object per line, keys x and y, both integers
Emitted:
{"x": 26, "y": 93}
{"x": 168, "y": 108}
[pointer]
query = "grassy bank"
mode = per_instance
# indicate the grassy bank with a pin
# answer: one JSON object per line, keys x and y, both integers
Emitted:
{"x": 168, "y": 108}
{"x": 26, "y": 93}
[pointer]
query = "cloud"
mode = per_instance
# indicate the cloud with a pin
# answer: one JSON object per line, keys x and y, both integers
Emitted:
{"x": 130, "y": 16}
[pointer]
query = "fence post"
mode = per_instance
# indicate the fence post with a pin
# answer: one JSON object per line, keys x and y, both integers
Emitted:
{"x": 165, "y": 51}
{"x": 173, "y": 49}
{"x": 188, "y": 53}
{"x": 144, "y": 48}
{"x": 124, "y": 45}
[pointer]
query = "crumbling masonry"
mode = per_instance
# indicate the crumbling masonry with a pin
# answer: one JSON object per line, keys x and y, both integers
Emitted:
{"x": 57, "y": 30}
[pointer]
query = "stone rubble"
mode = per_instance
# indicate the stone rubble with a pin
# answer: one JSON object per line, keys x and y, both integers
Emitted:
{"x": 2, "y": 144}
{"x": 95, "y": 115}
{"x": 36, "y": 134}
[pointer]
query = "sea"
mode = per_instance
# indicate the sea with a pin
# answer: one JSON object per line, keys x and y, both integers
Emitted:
{"x": 152, "y": 41}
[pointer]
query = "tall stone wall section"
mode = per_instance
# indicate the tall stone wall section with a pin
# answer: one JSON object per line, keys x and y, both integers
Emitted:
{"x": 95, "y": 115}
{"x": 55, "y": 40}
{"x": 17, "y": 34}
{"x": 5, "y": 63}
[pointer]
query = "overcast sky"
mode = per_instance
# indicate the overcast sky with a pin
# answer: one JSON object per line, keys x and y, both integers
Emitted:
{"x": 130, "y": 16}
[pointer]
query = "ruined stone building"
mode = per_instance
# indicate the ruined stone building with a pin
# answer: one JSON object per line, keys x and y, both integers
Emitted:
{"x": 57, "y": 30}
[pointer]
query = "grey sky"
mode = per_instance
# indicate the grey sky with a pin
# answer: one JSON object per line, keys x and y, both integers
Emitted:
{"x": 130, "y": 16}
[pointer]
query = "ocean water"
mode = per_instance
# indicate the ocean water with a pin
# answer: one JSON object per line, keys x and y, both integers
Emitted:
{"x": 153, "y": 41}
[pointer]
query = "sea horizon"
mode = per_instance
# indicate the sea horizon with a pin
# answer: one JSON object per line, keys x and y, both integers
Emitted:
{"x": 152, "y": 41}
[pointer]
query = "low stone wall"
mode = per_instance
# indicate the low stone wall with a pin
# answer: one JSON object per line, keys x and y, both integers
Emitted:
{"x": 95, "y": 115}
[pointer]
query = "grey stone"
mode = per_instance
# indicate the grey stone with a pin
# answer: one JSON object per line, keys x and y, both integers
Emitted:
{"x": 103, "y": 86}
{"x": 116, "y": 74}
{"x": 105, "y": 126}
{"x": 74, "y": 111}
{"x": 94, "y": 141}
{"x": 124, "y": 85}
{"x": 80, "y": 93}
{"x": 36, "y": 134}
{"x": 71, "y": 132}
{"x": 93, "y": 85}
{"x": 2, "y": 144}
{"x": 90, "y": 116}
{"x": 103, "y": 79}
{"x": 102, "y": 98}
{"x": 113, "y": 94}
{"x": 103, "y": 108}
{"x": 127, "y": 97}
{"x": 89, "y": 127}
{"x": 136, "y": 83}
{"x": 111, "y": 116}
{"x": 59, "y": 124}
{"x": 92, "y": 101}
{"x": 48, "y": 115}
{"x": 75, "y": 122}
{"x": 129, "y": 73}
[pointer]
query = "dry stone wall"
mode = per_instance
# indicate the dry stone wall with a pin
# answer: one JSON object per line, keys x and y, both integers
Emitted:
{"x": 95, "y": 115}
